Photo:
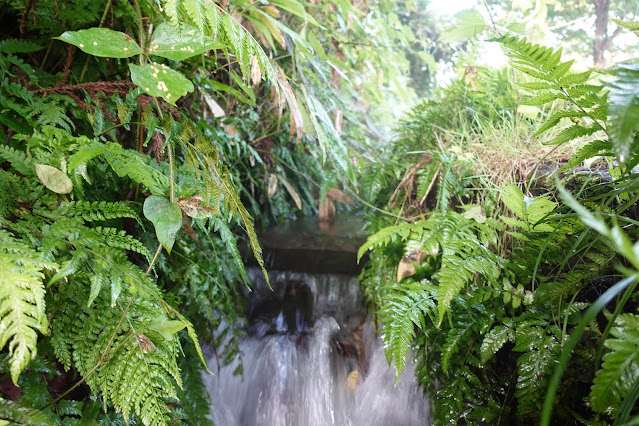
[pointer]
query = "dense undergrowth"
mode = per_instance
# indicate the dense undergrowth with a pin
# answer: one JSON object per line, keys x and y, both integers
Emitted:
{"x": 138, "y": 142}
{"x": 487, "y": 261}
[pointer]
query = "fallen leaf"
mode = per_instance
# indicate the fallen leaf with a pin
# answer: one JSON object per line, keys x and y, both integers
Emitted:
{"x": 405, "y": 269}
{"x": 272, "y": 185}
{"x": 352, "y": 379}
{"x": 54, "y": 179}
{"x": 215, "y": 108}
{"x": 338, "y": 195}
{"x": 256, "y": 73}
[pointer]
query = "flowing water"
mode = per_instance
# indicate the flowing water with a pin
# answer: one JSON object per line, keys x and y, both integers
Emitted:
{"x": 312, "y": 359}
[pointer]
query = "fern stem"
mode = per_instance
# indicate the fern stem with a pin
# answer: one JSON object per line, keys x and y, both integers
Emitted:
{"x": 155, "y": 257}
{"x": 565, "y": 92}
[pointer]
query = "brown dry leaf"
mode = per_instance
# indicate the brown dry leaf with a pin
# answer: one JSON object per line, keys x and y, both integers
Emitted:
{"x": 272, "y": 185}
{"x": 297, "y": 121}
{"x": 327, "y": 210}
{"x": 193, "y": 207}
{"x": 145, "y": 343}
{"x": 352, "y": 379}
{"x": 215, "y": 108}
{"x": 256, "y": 73}
{"x": 339, "y": 119}
{"x": 272, "y": 10}
{"x": 291, "y": 190}
{"x": 230, "y": 129}
{"x": 405, "y": 269}
{"x": 338, "y": 195}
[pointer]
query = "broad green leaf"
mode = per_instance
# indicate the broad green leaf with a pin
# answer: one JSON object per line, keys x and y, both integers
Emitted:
{"x": 54, "y": 179}
{"x": 469, "y": 23}
{"x": 171, "y": 43}
{"x": 167, "y": 327}
{"x": 102, "y": 42}
{"x": 477, "y": 213}
{"x": 166, "y": 217}
{"x": 159, "y": 80}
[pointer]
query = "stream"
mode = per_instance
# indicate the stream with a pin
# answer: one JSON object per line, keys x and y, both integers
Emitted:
{"x": 311, "y": 358}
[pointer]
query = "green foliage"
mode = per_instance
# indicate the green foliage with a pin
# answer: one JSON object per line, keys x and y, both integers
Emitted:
{"x": 497, "y": 319}
{"x": 586, "y": 104}
{"x": 619, "y": 367}
{"x": 22, "y": 305}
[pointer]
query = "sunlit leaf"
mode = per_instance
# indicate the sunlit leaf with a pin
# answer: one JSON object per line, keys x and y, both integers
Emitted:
{"x": 54, "y": 179}
{"x": 168, "y": 42}
{"x": 102, "y": 42}
{"x": 159, "y": 80}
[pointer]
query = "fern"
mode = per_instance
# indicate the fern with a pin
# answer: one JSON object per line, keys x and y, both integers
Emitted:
{"x": 13, "y": 45}
{"x": 495, "y": 340}
{"x": 624, "y": 110}
{"x": 619, "y": 368}
{"x": 18, "y": 159}
{"x": 97, "y": 210}
{"x": 22, "y": 307}
{"x": 208, "y": 17}
{"x": 540, "y": 343}
{"x": 405, "y": 307}
{"x": 13, "y": 413}
{"x": 555, "y": 81}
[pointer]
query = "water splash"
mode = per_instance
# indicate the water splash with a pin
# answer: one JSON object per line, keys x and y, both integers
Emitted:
{"x": 300, "y": 378}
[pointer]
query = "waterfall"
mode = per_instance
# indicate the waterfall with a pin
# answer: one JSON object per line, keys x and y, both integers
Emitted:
{"x": 312, "y": 359}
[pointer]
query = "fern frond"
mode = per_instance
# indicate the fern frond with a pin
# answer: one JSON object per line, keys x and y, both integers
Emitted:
{"x": 405, "y": 307}
{"x": 10, "y": 410}
{"x": 495, "y": 340}
{"x": 386, "y": 236}
{"x": 18, "y": 160}
{"x": 22, "y": 307}
{"x": 540, "y": 344}
{"x": 13, "y": 45}
{"x": 98, "y": 210}
{"x": 620, "y": 367}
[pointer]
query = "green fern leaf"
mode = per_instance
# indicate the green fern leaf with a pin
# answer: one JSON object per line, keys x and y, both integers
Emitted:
{"x": 385, "y": 236}
{"x": 624, "y": 109}
{"x": 620, "y": 367}
{"x": 495, "y": 340}
{"x": 405, "y": 307}
{"x": 590, "y": 150}
{"x": 10, "y": 410}
{"x": 22, "y": 308}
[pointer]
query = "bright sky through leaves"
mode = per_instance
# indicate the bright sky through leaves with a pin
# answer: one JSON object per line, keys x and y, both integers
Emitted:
{"x": 450, "y": 7}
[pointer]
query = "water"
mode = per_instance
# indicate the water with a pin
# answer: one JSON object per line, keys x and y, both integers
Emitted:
{"x": 318, "y": 368}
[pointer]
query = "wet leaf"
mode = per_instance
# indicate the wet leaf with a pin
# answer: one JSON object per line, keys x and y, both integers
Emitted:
{"x": 166, "y": 218}
{"x": 177, "y": 45}
{"x": 159, "y": 80}
{"x": 102, "y": 42}
{"x": 54, "y": 179}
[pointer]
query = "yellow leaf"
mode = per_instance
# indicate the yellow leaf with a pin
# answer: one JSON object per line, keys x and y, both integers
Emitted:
{"x": 272, "y": 185}
{"x": 292, "y": 191}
